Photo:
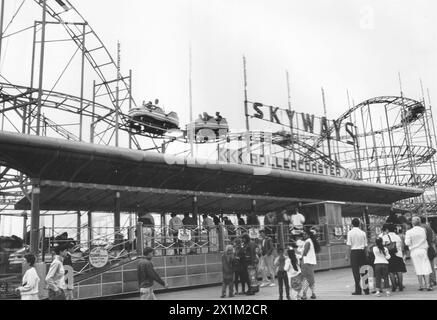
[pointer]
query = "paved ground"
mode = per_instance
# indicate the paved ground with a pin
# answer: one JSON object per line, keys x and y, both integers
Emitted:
{"x": 330, "y": 285}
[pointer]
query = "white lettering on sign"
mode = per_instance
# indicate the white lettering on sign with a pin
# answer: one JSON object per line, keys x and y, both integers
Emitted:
{"x": 99, "y": 257}
{"x": 288, "y": 164}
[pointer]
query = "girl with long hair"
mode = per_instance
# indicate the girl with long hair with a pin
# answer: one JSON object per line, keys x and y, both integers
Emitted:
{"x": 309, "y": 261}
{"x": 294, "y": 273}
{"x": 381, "y": 266}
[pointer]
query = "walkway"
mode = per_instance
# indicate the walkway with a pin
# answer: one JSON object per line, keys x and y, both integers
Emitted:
{"x": 330, "y": 285}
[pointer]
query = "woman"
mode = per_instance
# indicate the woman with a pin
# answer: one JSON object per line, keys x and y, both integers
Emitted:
{"x": 309, "y": 261}
{"x": 415, "y": 239}
{"x": 381, "y": 267}
{"x": 396, "y": 264}
{"x": 29, "y": 289}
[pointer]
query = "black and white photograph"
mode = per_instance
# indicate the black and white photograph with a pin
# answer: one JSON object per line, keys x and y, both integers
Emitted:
{"x": 235, "y": 154}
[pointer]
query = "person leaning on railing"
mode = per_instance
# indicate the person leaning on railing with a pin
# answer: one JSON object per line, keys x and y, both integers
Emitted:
{"x": 175, "y": 224}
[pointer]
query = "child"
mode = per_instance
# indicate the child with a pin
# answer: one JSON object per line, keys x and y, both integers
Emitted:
{"x": 228, "y": 271}
{"x": 381, "y": 266}
{"x": 282, "y": 274}
{"x": 294, "y": 273}
{"x": 29, "y": 290}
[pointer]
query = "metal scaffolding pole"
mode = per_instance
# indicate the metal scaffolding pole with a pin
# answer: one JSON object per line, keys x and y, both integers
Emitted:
{"x": 375, "y": 147}
{"x": 93, "y": 113}
{"x": 32, "y": 75}
{"x": 41, "y": 68}
{"x": 82, "y": 77}
{"x": 390, "y": 137}
{"x": 2, "y": 14}
{"x": 130, "y": 106}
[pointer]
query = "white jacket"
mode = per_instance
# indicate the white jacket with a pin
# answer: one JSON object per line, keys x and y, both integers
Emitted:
{"x": 30, "y": 282}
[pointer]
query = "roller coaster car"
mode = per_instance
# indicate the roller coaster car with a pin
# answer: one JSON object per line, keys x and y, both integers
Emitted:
{"x": 218, "y": 125}
{"x": 152, "y": 119}
{"x": 413, "y": 113}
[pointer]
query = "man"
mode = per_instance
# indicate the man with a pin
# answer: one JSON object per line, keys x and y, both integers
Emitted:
{"x": 209, "y": 225}
{"x": 240, "y": 220}
{"x": 415, "y": 239}
{"x": 393, "y": 218}
{"x": 357, "y": 243}
{"x": 190, "y": 224}
{"x": 252, "y": 220}
{"x": 55, "y": 278}
{"x": 68, "y": 267}
{"x": 148, "y": 228}
{"x": 175, "y": 224}
{"x": 268, "y": 259}
{"x": 249, "y": 263}
{"x": 147, "y": 275}
{"x": 270, "y": 223}
{"x": 430, "y": 238}
{"x": 297, "y": 221}
{"x": 230, "y": 228}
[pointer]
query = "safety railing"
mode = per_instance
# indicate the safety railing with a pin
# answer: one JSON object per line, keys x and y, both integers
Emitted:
{"x": 111, "y": 246}
{"x": 131, "y": 241}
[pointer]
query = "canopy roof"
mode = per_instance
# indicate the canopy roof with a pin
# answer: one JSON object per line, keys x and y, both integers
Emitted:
{"x": 83, "y": 176}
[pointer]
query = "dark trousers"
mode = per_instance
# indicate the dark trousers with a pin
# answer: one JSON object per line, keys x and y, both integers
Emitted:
{"x": 56, "y": 295}
{"x": 381, "y": 272}
{"x": 237, "y": 279}
{"x": 283, "y": 281}
{"x": 230, "y": 286}
{"x": 244, "y": 277}
{"x": 177, "y": 244}
{"x": 358, "y": 259}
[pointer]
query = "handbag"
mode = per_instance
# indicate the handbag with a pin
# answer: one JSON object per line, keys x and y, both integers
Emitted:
{"x": 370, "y": 256}
{"x": 392, "y": 249}
{"x": 431, "y": 253}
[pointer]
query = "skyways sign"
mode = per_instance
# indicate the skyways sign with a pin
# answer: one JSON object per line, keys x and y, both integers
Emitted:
{"x": 288, "y": 164}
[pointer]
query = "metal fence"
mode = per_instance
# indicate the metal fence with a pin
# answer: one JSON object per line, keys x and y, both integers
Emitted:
{"x": 186, "y": 240}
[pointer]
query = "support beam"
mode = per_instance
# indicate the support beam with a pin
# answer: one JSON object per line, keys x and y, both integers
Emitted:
{"x": 41, "y": 68}
{"x": 90, "y": 226}
{"x": 195, "y": 208}
{"x": 253, "y": 208}
{"x": 78, "y": 226}
{"x": 34, "y": 233}
{"x": 25, "y": 227}
{"x": 117, "y": 217}
{"x": 107, "y": 187}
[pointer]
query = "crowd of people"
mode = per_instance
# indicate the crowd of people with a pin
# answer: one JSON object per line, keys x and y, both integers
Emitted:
{"x": 251, "y": 263}
{"x": 387, "y": 256}
{"x": 249, "y": 260}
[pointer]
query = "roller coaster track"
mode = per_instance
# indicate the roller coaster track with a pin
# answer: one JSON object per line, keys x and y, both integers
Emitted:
{"x": 407, "y": 103}
{"x": 97, "y": 55}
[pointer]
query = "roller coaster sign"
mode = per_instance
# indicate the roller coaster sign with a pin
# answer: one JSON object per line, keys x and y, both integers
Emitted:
{"x": 287, "y": 164}
{"x": 345, "y": 132}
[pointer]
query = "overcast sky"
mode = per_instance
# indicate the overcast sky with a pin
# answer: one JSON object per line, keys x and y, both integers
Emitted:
{"x": 338, "y": 44}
